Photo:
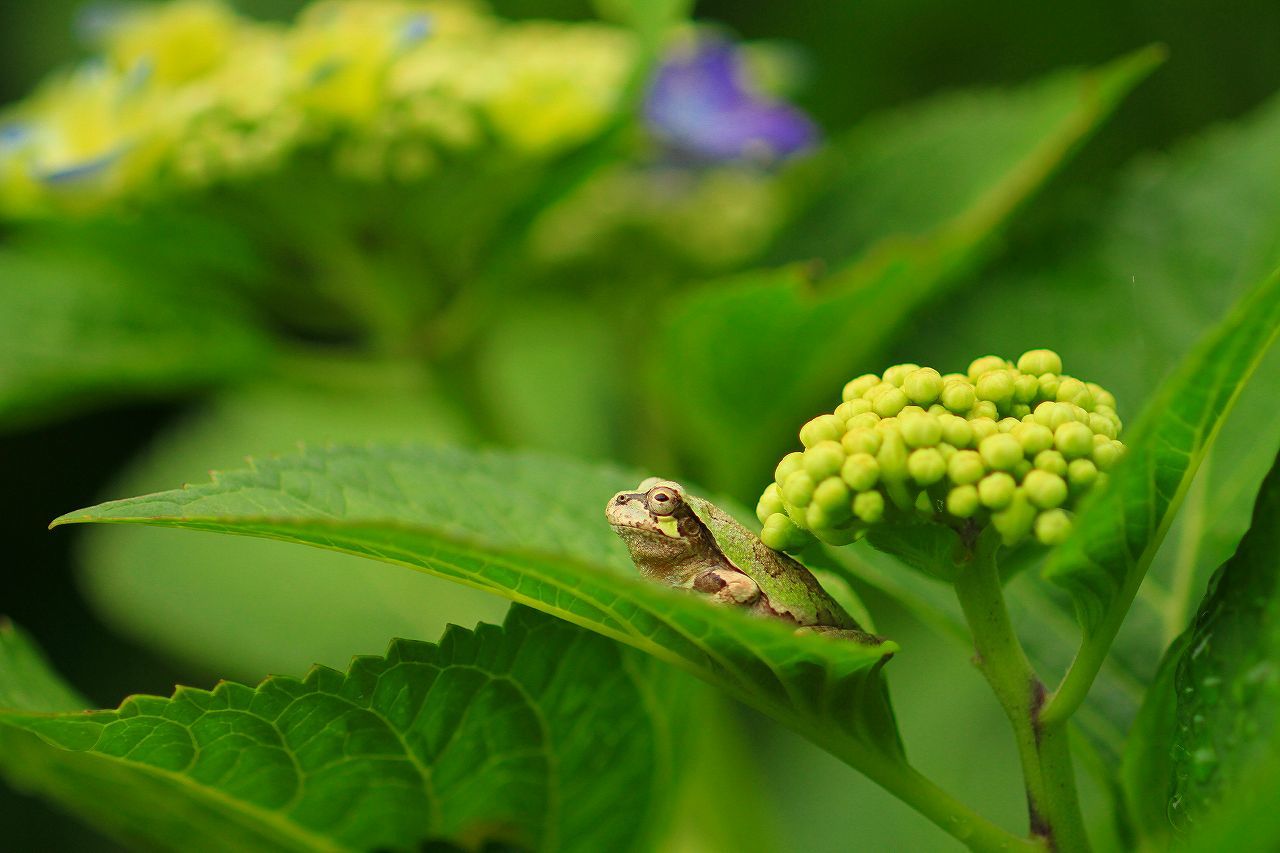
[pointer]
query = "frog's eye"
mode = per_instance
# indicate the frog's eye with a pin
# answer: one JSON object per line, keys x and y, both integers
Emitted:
{"x": 662, "y": 501}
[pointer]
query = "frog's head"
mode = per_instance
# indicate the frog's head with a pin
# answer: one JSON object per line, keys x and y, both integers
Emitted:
{"x": 660, "y": 529}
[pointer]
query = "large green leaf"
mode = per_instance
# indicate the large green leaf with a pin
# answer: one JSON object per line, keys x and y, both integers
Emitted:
{"x": 1215, "y": 715}
{"x": 760, "y": 353}
{"x": 498, "y": 733}
{"x": 532, "y": 529}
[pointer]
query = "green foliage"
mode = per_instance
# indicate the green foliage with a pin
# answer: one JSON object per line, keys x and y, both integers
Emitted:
{"x": 483, "y": 736}
{"x": 531, "y": 529}
{"x": 736, "y": 398}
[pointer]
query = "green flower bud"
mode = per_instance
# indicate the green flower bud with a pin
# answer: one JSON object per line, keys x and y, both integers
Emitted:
{"x": 890, "y": 402}
{"x": 981, "y": 428}
{"x": 1074, "y": 391}
{"x": 1102, "y": 425}
{"x": 816, "y": 518}
{"x": 996, "y": 386}
{"x": 1014, "y": 521}
{"x": 1000, "y": 451}
{"x": 1051, "y": 461}
{"x": 790, "y": 463}
{"x": 956, "y": 431}
{"x": 948, "y": 378}
{"x": 962, "y": 501}
{"x": 770, "y": 503}
{"x": 781, "y": 533}
{"x": 849, "y": 408}
{"x": 986, "y": 364}
{"x": 1049, "y": 386}
{"x": 832, "y": 495}
{"x": 840, "y": 535}
{"x": 938, "y": 410}
{"x": 1053, "y": 415}
{"x": 898, "y": 374}
{"x": 1022, "y": 469}
{"x": 1037, "y": 361}
{"x": 797, "y": 491}
{"x": 959, "y": 397}
{"x": 920, "y": 430}
{"x": 821, "y": 428}
{"x": 823, "y": 460}
{"x": 869, "y": 506}
{"x": 924, "y": 504}
{"x": 1101, "y": 396}
{"x": 1020, "y": 410}
{"x": 1105, "y": 456}
{"x": 910, "y": 409}
{"x": 1053, "y": 527}
{"x": 860, "y": 471}
{"x": 1007, "y": 424}
{"x": 1073, "y": 439}
{"x": 1045, "y": 490}
{"x": 1081, "y": 474}
{"x": 984, "y": 409}
{"x": 857, "y": 387}
{"x": 966, "y": 467}
{"x": 860, "y": 441}
{"x": 893, "y": 467}
{"x": 1034, "y": 437}
{"x": 888, "y": 425}
{"x": 876, "y": 390}
{"x": 866, "y": 420}
{"x": 923, "y": 386}
{"x": 996, "y": 490}
{"x": 1025, "y": 388}
{"x": 926, "y": 466}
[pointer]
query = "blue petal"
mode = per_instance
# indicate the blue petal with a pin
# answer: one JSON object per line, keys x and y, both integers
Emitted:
{"x": 415, "y": 29}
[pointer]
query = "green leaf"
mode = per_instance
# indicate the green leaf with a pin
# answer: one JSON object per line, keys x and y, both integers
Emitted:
{"x": 142, "y": 581}
{"x": 27, "y": 683}
{"x": 927, "y": 547}
{"x": 76, "y": 330}
{"x": 651, "y": 19}
{"x": 501, "y": 733}
{"x": 531, "y": 528}
{"x": 736, "y": 398}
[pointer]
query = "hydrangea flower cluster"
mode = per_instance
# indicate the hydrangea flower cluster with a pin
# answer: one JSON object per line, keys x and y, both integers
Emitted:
{"x": 1013, "y": 445}
{"x": 189, "y": 94}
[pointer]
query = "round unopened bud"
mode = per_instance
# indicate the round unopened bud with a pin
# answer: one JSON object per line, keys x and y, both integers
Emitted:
{"x": 1022, "y": 469}
{"x": 876, "y": 390}
{"x": 857, "y": 387}
{"x": 1014, "y": 521}
{"x": 996, "y": 386}
{"x": 1053, "y": 415}
{"x": 911, "y": 409}
{"x": 924, "y": 504}
{"x": 984, "y": 409}
{"x": 823, "y": 460}
{"x": 888, "y": 425}
{"x": 1073, "y": 440}
{"x": 1049, "y": 386}
{"x": 956, "y": 431}
{"x": 959, "y": 396}
{"x": 842, "y": 534}
{"x": 1053, "y": 527}
{"x": 816, "y": 518}
{"x": 821, "y": 428}
{"x": 982, "y": 427}
{"x": 962, "y": 501}
{"x": 790, "y": 463}
{"x": 1038, "y": 361}
{"x": 923, "y": 386}
{"x": 1051, "y": 461}
{"x": 1000, "y": 451}
{"x": 1045, "y": 490}
{"x": 965, "y": 466}
{"x": 892, "y": 456}
{"x": 926, "y": 466}
{"x": 860, "y": 471}
{"x": 832, "y": 495}
{"x": 869, "y": 506}
{"x": 1034, "y": 437}
{"x": 1106, "y": 455}
{"x": 1102, "y": 425}
{"x": 1007, "y": 424}
{"x": 1074, "y": 391}
{"x": 849, "y": 408}
{"x": 860, "y": 441}
{"x": 781, "y": 533}
{"x": 866, "y": 420}
{"x": 898, "y": 374}
{"x": 1025, "y": 388}
{"x": 938, "y": 410}
{"x": 1020, "y": 410}
{"x": 890, "y": 402}
{"x": 770, "y": 503}
{"x": 797, "y": 491}
{"x": 920, "y": 430}
{"x": 986, "y": 364}
{"x": 996, "y": 490}
{"x": 1081, "y": 474}
{"x": 1101, "y": 396}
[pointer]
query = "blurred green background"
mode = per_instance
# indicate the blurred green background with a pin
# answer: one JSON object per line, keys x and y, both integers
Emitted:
{"x": 859, "y": 57}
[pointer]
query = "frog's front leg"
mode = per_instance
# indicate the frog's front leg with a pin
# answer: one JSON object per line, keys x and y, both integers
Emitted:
{"x": 727, "y": 586}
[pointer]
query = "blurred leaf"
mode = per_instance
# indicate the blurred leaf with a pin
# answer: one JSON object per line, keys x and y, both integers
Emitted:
{"x": 531, "y": 528}
{"x": 760, "y": 353}
{"x": 27, "y": 682}
{"x": 76, "y": 331}
{"x": 927, "y": 547}
{"x": 265, "y": 607}
{"x": 1147, "y": 771}
{"x": 651, "y": 19}
{"x": 1214, "y": 714}
{"x": 497, "y": 733}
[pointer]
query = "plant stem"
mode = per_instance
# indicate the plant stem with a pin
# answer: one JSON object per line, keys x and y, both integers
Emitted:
{"x": 1044, "y": 750}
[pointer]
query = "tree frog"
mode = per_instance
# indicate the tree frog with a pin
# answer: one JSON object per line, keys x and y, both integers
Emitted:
{"x": 690, "y": 543}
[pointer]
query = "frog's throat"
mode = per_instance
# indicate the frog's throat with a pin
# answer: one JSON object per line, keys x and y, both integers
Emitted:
{"x": 674, "y": 561}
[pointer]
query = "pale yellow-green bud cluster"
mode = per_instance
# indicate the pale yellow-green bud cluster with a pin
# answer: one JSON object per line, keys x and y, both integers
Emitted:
{"x": 1013, "y": 445}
